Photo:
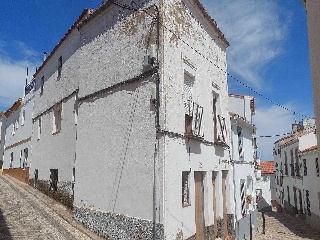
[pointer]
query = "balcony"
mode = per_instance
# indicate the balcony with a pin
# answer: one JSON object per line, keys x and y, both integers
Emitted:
{"x": 220, "y": 132}
{"x": 193, "y": 119}
{"x": 28, "y": 88}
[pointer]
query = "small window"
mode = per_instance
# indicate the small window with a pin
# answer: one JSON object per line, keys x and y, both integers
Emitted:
{"x": 57, "y": 117}
{"x": 53, "y": 180}
{"x": 317, "y": 167}
{"x": 305, "y": 169}
{"x": 39, "y": 127}
{"x": 288, "y": 191}
{"x": 13, "y": 129}
{"x": 20, "y": 158}
{"x": 59, "y": 66}
{"x": 17, "y": 123}
{"x": 25, "y": 160}
{"x": 11, "y": 160}
{"x": 23, "y": 117}
{"x": 308, "y": 202}
{"x": 185, "y": 189}
{"x": 41, "y": 86}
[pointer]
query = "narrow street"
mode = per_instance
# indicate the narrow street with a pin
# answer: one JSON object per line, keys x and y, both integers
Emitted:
{"x": 26, "y": 213}
{"x": 283, "y": 226}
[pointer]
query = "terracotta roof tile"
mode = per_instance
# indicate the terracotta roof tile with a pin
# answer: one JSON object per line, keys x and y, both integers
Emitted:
{"x": 267, "y": 167}
{"x": 309, "y": 149}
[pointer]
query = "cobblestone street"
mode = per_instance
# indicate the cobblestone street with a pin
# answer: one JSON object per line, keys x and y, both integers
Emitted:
{"x": 26, "y": 213}
{"x": 283, "y": 226}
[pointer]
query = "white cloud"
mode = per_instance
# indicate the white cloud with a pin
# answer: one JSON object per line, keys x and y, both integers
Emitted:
{"x": 26, "y": 51}
{"x": 255, "y": 32}
{"x": 12, "y": 81}
{"x": 271, "y": 121}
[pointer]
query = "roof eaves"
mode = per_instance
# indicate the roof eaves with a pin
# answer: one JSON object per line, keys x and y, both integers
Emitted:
{"x": 85, "y": 14}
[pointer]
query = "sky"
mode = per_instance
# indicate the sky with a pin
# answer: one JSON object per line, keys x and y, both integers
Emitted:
{"x": 268, "y": 52}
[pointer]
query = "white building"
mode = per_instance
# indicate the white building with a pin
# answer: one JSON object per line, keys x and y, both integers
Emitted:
{"x": 290, "y": 166}
{"x": 17, "y": 132}
{"x": 242, "y": 108}
{"x": 133, "y": 108}
{"x": 310, "y": 199}
{"x": 265, "y": 185}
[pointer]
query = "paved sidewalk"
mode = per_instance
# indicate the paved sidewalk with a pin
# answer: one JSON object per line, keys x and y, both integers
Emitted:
{"x": 26, "y": 213}
{"x": 281, "y": 226}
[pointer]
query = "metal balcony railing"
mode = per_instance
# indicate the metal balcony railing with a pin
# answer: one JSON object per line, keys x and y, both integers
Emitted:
{"x": 193, "y": 119}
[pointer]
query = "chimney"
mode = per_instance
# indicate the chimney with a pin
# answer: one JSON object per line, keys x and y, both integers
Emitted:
{"x": 294, "y": 127}
{"x": 44, "y": 56}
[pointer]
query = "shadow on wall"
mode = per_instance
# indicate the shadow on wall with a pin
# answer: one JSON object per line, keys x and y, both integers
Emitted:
{"x": 4, "y": 230}
{"x": 264, "y": 206}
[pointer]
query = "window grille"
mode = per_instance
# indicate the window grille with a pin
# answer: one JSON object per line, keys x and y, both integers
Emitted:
{"x": 308, "y": 202}
{"x": 305, "y": 169}
{"x": 185, "y": 189}
{"x": 317, "y": 167}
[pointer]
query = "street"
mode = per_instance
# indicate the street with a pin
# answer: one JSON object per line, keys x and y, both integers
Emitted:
{"x": 283, "y": 226}
{"x": 26, "y": 213}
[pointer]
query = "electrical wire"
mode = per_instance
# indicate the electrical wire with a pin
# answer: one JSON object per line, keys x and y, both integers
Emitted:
{"x": 206, "y": 58}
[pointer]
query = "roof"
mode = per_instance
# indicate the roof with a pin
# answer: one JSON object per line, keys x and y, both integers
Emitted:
{"x": 295, "y": 135}
{"x": 89, "y": 14}
{"x": 267, "y": 167}
{"x": 85, "y": 13}
{"x": 315, "y": 147}
{"x": 212, "y": 21}
{"x": 14, "y": 107}
{"x": 239, "y": 95}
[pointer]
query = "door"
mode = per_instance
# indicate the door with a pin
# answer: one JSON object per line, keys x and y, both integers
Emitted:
{"x": 199, "y": 205}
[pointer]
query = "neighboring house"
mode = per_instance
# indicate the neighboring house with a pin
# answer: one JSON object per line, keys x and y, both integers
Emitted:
{"x": 2, "y": 138}
{"x": 310, "y": 202}
{"x": 17, "y": 130}
{"x": 242, "y": 108}
{"x": 290, "y": 167}
{"x": 313, "y": 21}
{"x": 265, "y": 185}
{"x": 131, "y": 113}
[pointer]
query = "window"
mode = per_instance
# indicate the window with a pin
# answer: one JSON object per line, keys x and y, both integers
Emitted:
{"x": 185, "y": 189}
{"x": 23, "y": 117}
{"x": 11, "y": 160}
{"x": 308, "y": 202}
{"x": 25, "y": 160}
{"x": 13, "y": 129}
{"x": 305, "y": 170}
{"x": 20, "y": 158}
{"x": 53, "y": 180}
{"x": 288, "y": 190}
{"x": 215, "y": 115}
{"x": 240, "y": 142}
{"x": 317, "y": 167}
{"x": 292, "y": 163}
{"x": 39, "y": 127}
{"x": 187, "y": 101}
{"x": 17, "y": 124}
{"x": 41, "y": 86}
{"x": 59, "y": 66}
{"x": 243, "y": 196}
{"x": 286, "y": 164}
{"x": 57, "y": 112}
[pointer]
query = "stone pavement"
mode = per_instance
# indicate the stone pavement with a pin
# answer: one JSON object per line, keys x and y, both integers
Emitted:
{"x": 284, "y": 226}
{"x": 26, "y": 213}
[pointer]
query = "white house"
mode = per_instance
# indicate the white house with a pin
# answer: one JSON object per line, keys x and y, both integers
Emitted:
{"x": 131, "y": 113}
{"x": 265, "y": 185}
{"x": 242, "y": 108}
{"x": 17, "y": 132}
{"x": 310, "y": 199}
{"x": 290, "y": 166}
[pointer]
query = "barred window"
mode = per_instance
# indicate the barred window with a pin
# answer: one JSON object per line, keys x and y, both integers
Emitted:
{"x": 317, "y": 167}
{"x": 185, "y": 189}
{"x": 308, "y": 202}
{"x": 305, "y": 169}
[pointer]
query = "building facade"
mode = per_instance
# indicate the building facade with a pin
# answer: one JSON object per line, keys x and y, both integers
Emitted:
{"x": 242, "y": 108}
{"x": 17, "y": 133}
{"x": 131, "y": 120}
{"x": 291, "y": 175}
{"x": 313, "y": 23}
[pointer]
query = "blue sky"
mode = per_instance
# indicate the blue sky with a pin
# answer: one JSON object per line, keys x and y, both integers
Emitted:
{"x": 268, "y": 51}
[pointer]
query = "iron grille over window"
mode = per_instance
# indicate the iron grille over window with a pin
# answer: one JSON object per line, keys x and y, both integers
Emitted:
{"x": 185, "y": 189}
{"x": 308, "y": 202}
{"x": 305, "y": 170}
{"x": 193, "y": 119}
{"x": 297, "y": 168}
{"x": 29, "y": 87}
{"x": 317, "y": 167}
{"x": 59, "y": 66}
{"x": 292, "y": 169}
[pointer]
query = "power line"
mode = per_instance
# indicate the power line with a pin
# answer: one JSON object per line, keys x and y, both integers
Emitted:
{"x": 206, "y": 58}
